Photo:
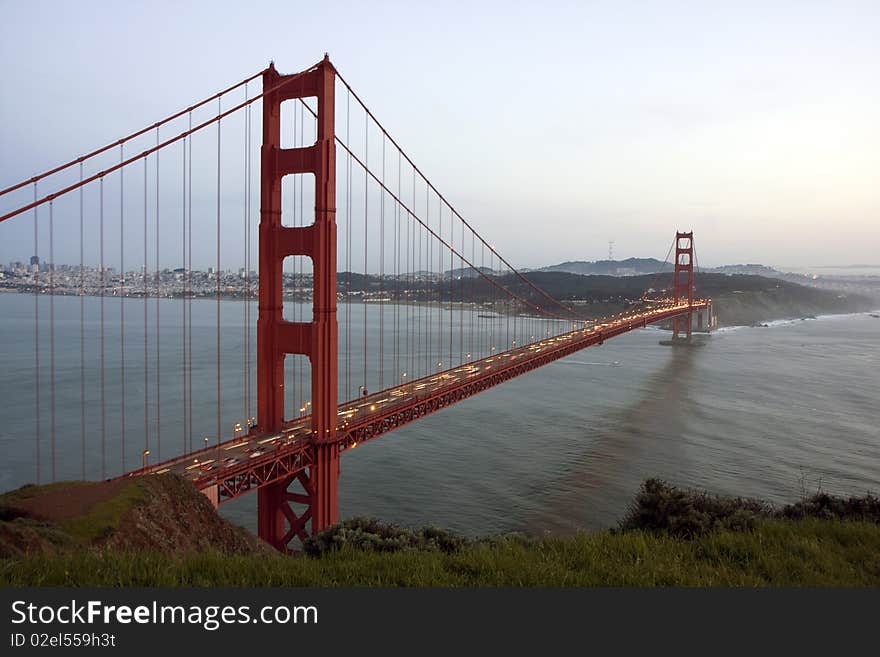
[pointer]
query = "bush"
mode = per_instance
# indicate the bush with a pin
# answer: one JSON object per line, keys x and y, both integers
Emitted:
{"x": 661, "y": 507}
{"x": 828, "y": 507}
{"x": 371, "y": 535}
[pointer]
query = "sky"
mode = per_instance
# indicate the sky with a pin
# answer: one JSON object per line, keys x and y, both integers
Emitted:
{"x": 553, "y": 127}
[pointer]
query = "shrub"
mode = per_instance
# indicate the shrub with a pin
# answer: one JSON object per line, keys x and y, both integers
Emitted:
{"x": 659, "y": 506}
{"x": 829, "y": 507}
{"x": 371, "y": 535}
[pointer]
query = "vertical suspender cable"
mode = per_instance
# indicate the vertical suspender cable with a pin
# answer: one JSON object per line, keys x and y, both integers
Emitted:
{"x": 298, "y": 139}
{"x": 183, "y": 295}
{"x": 348, "y": 267}
{"x": 158, "y": 299}
{"x": 296, "y": 393}
{"x": 410, "y": 265}
{"x": 37, "y": 336}
{"x": 247, "y": 271}
{"x": 382, "y": 274}
{"x": 461, "y": 298}
{"x": 473, "y": 297}
{"x": 493, "y": 339}
{"x": 440, "y": 288}
{"x": 435, "y": 283}
{"x": 409, "y": 287}
{"x": 82, "y": 336}
{"x": 217, "y": 274}
{"x": 490, "y": 328}
{"x": 245, "y": 243}
{"x": 428, "y": 287}
{"x": 146, "y": 333}
{"x": 52, "y": 338}
{"x": 246, "y": 303}
{"x": 122, "y": 305}
{"x": 189, "y": 346}
{"x": 420, "y": 301}
{"x": 103, "y": 409}
{"x": 448, "y": 289}
{"x": 438, "y": 284}
{"x": 508, "y": 311}
{"x": 451, "y": 284}
{"x": 483, "y": 326}
{"x": 429, "y": 268}
{"x": 397, "y": 278}
{"x": 366, "y": 225}
{"x": 299, "y": 260}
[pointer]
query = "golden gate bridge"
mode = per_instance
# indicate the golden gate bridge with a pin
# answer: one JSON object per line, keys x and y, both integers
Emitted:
{"x": 408, "y": 257}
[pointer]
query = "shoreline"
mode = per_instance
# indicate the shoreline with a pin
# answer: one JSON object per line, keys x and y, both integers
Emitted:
{"x": 455, "y": 305}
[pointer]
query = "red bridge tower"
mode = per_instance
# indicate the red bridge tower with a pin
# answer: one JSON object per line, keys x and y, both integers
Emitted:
{"x": 683, "y": 283}
{"x": 278, "y": 523}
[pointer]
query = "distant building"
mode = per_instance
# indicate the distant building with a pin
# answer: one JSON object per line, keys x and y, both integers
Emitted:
{"x": 35, "y": 260}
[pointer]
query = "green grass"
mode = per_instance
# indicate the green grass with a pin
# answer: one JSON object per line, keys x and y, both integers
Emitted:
{"x": 104, "y": 517}
{"x": 775, "y": 553}
{"x": 100, "y": 520}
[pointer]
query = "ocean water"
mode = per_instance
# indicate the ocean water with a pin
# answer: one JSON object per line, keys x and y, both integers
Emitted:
{"x": 763, "y": 412}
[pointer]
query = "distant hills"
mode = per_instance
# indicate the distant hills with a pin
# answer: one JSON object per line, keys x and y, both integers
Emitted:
{"x": 639, "y": 266}
{"x": 628, "y": 267}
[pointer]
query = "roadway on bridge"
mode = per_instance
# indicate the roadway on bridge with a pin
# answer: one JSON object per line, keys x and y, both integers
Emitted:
{"x": 212, "y": 461}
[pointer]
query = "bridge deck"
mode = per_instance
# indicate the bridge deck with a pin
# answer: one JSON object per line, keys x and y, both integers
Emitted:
{"x": 242, "y": 464}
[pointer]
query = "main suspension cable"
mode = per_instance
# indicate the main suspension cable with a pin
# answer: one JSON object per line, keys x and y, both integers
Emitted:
{"x": 129, "y": 137}
{"x": 100, "y": 174}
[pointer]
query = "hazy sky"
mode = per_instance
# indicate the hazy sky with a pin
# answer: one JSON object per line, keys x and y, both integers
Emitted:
{"x": 553, "y": 127}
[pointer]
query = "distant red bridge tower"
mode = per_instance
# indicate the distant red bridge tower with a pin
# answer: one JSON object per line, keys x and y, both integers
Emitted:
{"x": 683, "y": 284}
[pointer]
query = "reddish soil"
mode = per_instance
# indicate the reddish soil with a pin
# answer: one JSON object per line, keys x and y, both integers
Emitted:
{"x": 70, "y": 501}
{"x": 168, "y": 515}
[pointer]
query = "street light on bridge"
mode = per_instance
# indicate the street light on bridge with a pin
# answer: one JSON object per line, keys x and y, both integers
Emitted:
{"x": 146, "y": 454}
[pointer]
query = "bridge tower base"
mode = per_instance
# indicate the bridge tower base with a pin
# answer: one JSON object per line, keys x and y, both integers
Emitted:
{"x": 286, "y": 507}
{"x": 316, "y": 490}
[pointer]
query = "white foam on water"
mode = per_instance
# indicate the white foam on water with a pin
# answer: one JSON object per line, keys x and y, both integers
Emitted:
{"x": 789, "y": 322}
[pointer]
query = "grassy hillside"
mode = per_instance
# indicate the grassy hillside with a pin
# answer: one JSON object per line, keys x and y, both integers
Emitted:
{"x": 670, "y": 538}
{"x": 163, "y": 513}
{"x": 775, "y": 553}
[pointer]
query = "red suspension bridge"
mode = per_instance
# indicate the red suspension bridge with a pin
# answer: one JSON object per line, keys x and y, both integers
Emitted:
{"x": 424, "y": 312}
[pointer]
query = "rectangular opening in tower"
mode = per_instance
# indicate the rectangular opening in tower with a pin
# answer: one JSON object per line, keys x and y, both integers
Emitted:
{"x": 298, "y": 287}
{"x": 298, "y": 200}
{"x": 299, "y": 125}
{"x": 297, "y": 387}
